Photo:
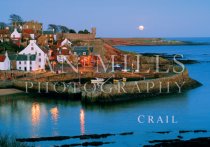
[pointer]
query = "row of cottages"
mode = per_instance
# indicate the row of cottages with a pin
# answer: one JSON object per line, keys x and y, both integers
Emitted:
{"x": 32, "y": 58}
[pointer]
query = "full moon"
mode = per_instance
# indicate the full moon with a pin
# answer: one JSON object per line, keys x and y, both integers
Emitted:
{"x": 141, "y": 28}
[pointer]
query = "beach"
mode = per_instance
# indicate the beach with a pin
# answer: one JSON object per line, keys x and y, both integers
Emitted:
{"x": 9, "y": 91}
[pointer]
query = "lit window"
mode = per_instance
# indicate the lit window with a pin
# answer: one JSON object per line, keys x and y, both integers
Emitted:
{"x": 75, "y": 53}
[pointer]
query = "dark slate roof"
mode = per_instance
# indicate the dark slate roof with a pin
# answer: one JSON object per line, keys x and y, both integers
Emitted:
{"x": 80, "y": 49}
{"x": 13, "y": 57}
{"x": 25, "y": 57}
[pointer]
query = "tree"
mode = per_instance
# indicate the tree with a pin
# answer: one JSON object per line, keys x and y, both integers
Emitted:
{"x": 53, "y": 27}
{"x": 15, "y": 19}
{"x": 2, "y": 25}
{"x": 63, "y": 29}
{"x": 80, "y": 32}
{"x": 72, "y": 31}
{"x": 84, "y": 32}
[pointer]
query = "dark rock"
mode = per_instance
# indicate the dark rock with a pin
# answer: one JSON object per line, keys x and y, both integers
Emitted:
{"x": 197, "y": 142}
{"x": 163, "y": 141}
{"x": 42, "y": 139}
{"x": 180, "y": 137}
{"x": 184, "y": 131}
{"x": 126, "y": 133}
{"x": 82, "y": 137}
{"x": 70, "y": 145}
{"x": 200, "y": 131}
{"x": 95, "y": 136}
{"x": 164, "y": 132}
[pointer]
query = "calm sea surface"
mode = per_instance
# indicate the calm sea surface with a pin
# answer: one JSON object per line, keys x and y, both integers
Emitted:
{"x": 34, "y": 116}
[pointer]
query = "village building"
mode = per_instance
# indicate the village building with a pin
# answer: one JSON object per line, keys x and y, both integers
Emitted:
{"x": 31, "y": 58}
{"x": 33, "y": 25}
{"x": 4, "y": 35}
{"x": 66, "y": 42}
{"x": 42, "y": 40}
{"x": 50, "y": 37}
{"x": 16, "y": 37}
{"x": 63, "y": 53}
{"x": 82, "y": 50}
{"x": 26, "y": 62}
{"x": 27, "y": 35}
{"x": 4, "y": 62}
{"x": 85, "y": 54}
{"x": 31, "y": 30}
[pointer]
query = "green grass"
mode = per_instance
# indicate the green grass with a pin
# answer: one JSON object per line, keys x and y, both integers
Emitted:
{"x": 8, "y": 141}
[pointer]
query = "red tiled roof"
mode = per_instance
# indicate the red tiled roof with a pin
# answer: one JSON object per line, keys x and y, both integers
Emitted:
{"x": 2, "y": 58}
{"x": 63, "y": 52}
{"x": 4, "y": 31}
{"x": 28, "y": 31}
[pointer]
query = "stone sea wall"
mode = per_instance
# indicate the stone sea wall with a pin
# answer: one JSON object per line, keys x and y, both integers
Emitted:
{"x": 113, "y": 92}
{"x": 141, "y": 89}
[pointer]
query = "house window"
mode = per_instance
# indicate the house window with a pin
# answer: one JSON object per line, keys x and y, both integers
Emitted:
{"x": 40, "y": 59}
{"x": 30, "y": 62}
{"x": 84, "y": 53}
{"x": 30, "y": 68}
{"x": 32, "y": 48}
{"x": 19, "y": 62}
{"x": 39, "y": 66}
{"x": 24, "y": 62}
{"x": 13, "y": 36}
{"x": 40, "y": 54}
{"x": 19, "y": 68}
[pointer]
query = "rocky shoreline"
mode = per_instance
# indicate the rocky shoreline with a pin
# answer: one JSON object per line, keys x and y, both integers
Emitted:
{"x": 177, "y": 142}
{"x": 147, "y": 42}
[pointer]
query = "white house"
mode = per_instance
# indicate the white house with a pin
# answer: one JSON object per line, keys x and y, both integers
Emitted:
{"x": 15, "y": 35}
{"x": 4, "y": 62}
{"x": 66, "y": 42}
{"x": 31, "y": 58}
